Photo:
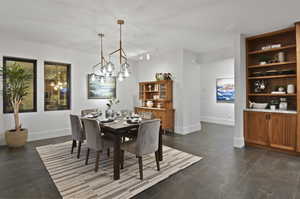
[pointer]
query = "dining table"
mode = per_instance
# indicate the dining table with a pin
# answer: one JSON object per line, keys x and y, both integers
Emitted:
{"x": 116, "y": 130}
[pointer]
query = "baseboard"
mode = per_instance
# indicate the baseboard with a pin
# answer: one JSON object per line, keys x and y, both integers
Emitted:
{"x": 217, "y": 120}
{"x": 238, "y": 142}
{"x": 40, "y": 135}
{"x": 188, "y": 129}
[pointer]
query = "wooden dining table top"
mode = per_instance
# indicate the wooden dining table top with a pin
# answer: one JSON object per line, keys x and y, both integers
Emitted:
{"x": 119, "y": 124}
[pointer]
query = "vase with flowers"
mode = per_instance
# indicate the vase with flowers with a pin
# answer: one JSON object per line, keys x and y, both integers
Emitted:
{"x": 109, "y": 113}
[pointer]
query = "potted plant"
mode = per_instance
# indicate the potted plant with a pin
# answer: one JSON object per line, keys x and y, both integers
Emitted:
{"x": 17, "y": 85}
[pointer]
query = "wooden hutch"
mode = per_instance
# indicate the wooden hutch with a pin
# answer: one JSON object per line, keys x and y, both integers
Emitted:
{"x": 275, "y": 129}
{"x": 160, "y": 93}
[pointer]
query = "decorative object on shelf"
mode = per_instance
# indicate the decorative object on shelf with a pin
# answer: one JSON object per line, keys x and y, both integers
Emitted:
{"x": 290, "y": 88}
{"x": 273, "y": 104}
{"x": 273, "y": 107}
{"x": 264, "y": 59}
{"x": 17, "y": 81}
{"x": 104, "y": 69}
{"x": 283, "y": 104}
{"x": 159, "y": 76}
{"x": 225, "y": 92}
{"x": 281, "y": 89}
{"x": 259, "y": 86}
{"x": 163, "y": 76}
{"x": 150, "y": 87}
{"x": 158, "y": 105}
{"x": 149, "y": 104}
{"x": 281, "y": 57}
{"x": 268, "y": 47}
{"x": 101, "y": 90}
{"x": 109, "y": 113}
{"x": 255, "y": 105}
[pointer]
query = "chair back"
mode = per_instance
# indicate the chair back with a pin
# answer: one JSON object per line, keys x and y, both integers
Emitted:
{"x": 88, "y": 111}
{"x": 76, "y": 128}
{"x": 147, "y": 115}
{"x": 148, "y": 136}
{"x": 93, "y": 134}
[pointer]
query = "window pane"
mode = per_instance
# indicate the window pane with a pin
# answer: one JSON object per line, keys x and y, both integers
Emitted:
{"x": 29, "y": 101}
{"x": 57, "y": 86}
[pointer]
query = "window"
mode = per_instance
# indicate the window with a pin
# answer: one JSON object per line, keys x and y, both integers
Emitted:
{"x": 57, "y": 86}
{"x": 29, "y": 102}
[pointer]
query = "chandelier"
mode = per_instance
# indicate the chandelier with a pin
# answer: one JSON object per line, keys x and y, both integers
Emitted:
{"x": 107, "y": 69}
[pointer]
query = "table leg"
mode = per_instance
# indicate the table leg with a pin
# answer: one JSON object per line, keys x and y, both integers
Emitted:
{"x": 117, "y": 150}
{"x": 160, "y": 149}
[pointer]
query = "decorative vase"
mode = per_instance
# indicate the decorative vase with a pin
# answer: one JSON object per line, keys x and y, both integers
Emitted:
{"x": 16, "y": 139}
{"x": 159, "y": 76}
{"x": 281, "y": 57}
{"x": 109, "y": 113}
{"x": 149, "y": 104}
{"x": 290, "y": 88}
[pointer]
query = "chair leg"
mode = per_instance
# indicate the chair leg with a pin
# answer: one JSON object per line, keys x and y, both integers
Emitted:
{"x": 108, "y": 152}
{"x": 87, "y": 156}
{"x": 97, "y": 161}
{"x": 73, "y": 146}
{"x": 141, "y": 167}
{"x": 79, "y": 149}
{"x": 157, "y": 160}
{"x": 122, "y": 159}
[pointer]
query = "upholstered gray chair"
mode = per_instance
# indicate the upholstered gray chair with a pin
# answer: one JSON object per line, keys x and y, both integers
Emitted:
{"x": 146, "y": 143}
{"x": 95, "y": 140}
{"x": 132, "y": 134}
{"x": 88, "y": 111}
{"x": 78, "y": 134}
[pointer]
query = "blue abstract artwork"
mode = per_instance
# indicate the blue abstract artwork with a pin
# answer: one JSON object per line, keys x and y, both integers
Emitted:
{"x": 225, "y": 90}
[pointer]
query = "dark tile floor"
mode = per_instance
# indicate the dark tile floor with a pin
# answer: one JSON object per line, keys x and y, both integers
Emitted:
{"x": 224, "y": 172}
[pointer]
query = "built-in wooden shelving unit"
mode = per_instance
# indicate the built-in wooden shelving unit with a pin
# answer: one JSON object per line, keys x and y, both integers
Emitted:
{"x": 273, "y": 60}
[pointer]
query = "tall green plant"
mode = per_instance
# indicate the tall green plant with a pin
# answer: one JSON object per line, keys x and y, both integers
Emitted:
{"x": 17, "y": 81}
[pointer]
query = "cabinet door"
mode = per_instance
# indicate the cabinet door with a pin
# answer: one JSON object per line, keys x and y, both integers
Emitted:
{"x": 283, "y": 128}
{"x": 256, "y": 127}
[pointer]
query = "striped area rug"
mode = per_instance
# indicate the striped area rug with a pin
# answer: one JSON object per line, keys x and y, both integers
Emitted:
{"x": 74, "y": 179}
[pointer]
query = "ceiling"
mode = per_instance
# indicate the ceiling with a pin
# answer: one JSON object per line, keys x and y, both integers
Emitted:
{"x": 199, "y": 25}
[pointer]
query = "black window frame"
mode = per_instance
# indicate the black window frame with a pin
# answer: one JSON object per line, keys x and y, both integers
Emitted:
{"x": 5, "y": 101}
{"x": 68, "y": 83}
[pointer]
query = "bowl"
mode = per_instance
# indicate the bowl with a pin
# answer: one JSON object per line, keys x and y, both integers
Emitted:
{"x": 259, "y": 105}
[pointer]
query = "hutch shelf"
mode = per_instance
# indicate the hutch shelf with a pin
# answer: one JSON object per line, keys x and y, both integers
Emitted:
{"x": 273, "y": 60}
{"x": 160, "y": 95}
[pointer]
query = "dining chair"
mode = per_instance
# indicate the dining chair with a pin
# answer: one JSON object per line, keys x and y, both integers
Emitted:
{"x": 146, "y": 143}
{"x": 95, "y": 140}
{"x": 88, "y": 111}
{"x": 132, "y": 133}
{"x": 78, "y": 134}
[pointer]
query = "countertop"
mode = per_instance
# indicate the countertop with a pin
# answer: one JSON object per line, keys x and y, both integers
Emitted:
{"x": 271, "y": 111}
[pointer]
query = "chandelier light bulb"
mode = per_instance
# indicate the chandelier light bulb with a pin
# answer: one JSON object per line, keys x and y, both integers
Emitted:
{"x": 102, "y": 79}
{"x": 93, "y": 78}
{"x": 120, "y": 76}
{"x": 126, "y": 73}
{"x": 110, "y": 66}
{"x": 148, "y": 57}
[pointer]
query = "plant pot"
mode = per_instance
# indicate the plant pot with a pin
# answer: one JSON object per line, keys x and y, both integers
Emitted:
{"x": 16, "y": 139}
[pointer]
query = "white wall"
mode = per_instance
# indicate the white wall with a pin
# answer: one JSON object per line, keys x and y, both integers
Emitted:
{"x": 191, "y": 92}
{"x": 211, "y": 111}
{"x": 56, "y": 123}
{"x": 240, "y": 89}
{"x": 186, "y": 84}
